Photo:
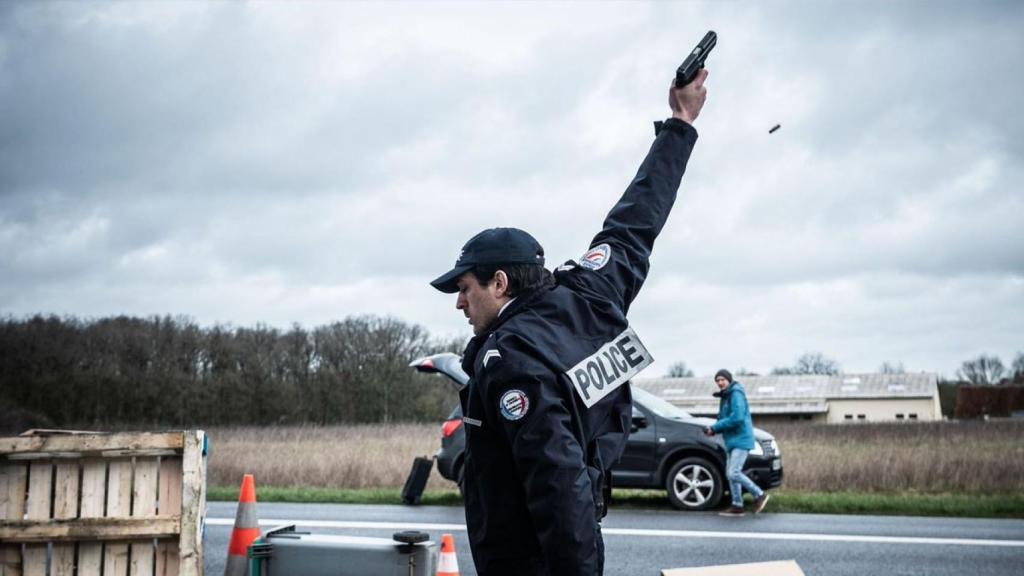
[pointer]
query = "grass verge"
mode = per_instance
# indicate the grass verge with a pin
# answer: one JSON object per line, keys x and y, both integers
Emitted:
{"x": 335, "y": 495}
{"x": 899, "y": 504}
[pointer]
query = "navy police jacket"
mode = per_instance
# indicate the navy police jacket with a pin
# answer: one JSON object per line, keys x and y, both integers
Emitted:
{"x": 548, "y": 406}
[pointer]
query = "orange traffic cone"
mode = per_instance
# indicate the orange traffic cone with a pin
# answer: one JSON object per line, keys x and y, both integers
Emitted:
{"x": 247, "y": 529}
{"x": 447, "y": 563}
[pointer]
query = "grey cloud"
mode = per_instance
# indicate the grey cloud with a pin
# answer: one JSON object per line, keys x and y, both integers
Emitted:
{"x": 294, "y": 162}
{"x": 875, "y": 171}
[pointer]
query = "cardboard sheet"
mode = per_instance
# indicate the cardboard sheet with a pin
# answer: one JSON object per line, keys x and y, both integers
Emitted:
{"x": 784, "y": 568}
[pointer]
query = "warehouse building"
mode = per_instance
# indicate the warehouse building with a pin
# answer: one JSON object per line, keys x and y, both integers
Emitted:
{"x": 842, "y": 399}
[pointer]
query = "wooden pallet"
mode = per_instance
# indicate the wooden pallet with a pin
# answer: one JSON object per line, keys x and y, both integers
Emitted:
{"x": 91, "y": 504}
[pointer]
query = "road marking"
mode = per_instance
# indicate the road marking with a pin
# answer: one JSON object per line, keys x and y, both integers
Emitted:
{"x": 339, "y": 524}
{"x": 653, "y": 533}
{"x": 814, "y": 537}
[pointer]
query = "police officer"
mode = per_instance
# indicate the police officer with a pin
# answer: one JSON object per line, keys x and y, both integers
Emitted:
{"x": 548, "y": 406}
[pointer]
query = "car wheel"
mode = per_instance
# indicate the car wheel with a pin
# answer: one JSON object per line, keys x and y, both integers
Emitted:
{"x": 694, "y": 484}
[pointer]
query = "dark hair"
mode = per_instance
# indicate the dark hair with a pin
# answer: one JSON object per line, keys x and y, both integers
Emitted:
{"x": 521, "y": 277}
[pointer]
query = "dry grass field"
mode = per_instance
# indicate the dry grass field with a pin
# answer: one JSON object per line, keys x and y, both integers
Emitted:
{"x": 928, "y": 458}
{"x": 363, "y": 456}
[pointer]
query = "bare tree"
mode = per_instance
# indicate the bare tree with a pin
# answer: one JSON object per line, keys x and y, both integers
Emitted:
{"x": 983, "y": 370}
{"x": 811, "y": 363}
{"x": 1017, "y": 368}
{"x": 679, "y": 370}
{"x": 892, "y": 368}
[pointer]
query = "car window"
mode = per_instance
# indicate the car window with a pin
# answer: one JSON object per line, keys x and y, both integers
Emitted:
{"x": 457, "y": 413}
{"x": 659, "y": 406}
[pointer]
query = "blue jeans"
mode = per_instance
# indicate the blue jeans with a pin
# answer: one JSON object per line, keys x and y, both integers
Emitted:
{"x": 737, "y": 480}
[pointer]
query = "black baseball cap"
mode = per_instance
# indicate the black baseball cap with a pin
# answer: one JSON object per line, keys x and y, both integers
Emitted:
{"x": 491, "y": 247}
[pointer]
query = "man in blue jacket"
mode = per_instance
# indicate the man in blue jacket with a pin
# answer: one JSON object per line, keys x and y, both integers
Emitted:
{"x": 548, "y": 406}
{"x": 737, "y": 430}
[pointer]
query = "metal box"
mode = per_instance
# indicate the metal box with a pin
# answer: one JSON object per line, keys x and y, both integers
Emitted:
{"x": 287, "y": 552}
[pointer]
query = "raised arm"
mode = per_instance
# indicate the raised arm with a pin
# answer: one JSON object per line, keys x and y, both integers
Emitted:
{"x": 619, "y": 255}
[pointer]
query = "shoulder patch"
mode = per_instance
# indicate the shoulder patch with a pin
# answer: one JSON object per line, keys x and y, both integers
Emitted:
{"x": 489, "y": 355}
{"x": 514, "y": 404}
{"x": 596, "y": 257}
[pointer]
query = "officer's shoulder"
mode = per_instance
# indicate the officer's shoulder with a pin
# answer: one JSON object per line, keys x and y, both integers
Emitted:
{"x": 507, "y": 350}
{"x": 488, "y": 353}
{"x": 513, "y": 344}
{"x": 587, "y": 284}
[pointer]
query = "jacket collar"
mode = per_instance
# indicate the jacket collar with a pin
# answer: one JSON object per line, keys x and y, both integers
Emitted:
{"x": 510, "y": 309}
{"x": 728, "y": 390}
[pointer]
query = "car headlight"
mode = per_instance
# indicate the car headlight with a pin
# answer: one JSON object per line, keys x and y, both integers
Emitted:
{"x": 775, "y": 448}
{"x": 758, "y": 450}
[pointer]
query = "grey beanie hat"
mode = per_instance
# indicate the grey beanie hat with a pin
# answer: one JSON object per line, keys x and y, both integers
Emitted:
{"x": 724, "y": 373}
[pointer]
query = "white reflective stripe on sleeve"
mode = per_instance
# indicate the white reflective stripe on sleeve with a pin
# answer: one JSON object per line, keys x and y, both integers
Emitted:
{"x": 472, "y": 421}
{"x": 610, "y": 367}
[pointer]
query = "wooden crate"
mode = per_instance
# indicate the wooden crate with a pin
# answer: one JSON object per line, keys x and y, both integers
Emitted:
{"x": 92, "y": 504}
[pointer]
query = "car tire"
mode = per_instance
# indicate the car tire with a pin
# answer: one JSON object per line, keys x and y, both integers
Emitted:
{"x": 694, "y": 484}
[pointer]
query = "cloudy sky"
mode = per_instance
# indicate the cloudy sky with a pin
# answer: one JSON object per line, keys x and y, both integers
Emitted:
{"x": 301, "y": 162}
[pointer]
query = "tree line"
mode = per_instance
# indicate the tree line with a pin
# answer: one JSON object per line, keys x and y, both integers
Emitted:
{"x": 168, "y": 371}
{"x": 981, "y": 371}
{"x": 808, "y": 363}
{"x": 164, "y": 371}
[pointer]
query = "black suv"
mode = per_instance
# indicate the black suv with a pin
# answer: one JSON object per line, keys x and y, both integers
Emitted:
{"x": 666, "y": 449}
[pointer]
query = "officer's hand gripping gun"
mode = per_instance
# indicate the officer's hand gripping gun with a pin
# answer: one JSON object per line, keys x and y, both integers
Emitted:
{"x": 695, "y": 61}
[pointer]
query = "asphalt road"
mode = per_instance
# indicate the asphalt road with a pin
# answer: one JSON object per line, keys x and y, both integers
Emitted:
{"x": 642, "y": 542}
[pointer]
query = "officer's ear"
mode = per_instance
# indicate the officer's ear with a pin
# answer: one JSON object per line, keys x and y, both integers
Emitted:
{"x": 500, "y": 284}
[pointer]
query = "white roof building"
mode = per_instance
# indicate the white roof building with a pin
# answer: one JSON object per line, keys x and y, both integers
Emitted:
{"x": 832, "y": 399}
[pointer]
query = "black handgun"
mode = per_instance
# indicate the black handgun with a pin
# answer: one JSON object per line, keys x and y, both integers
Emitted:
{"x": 695, "y": 61}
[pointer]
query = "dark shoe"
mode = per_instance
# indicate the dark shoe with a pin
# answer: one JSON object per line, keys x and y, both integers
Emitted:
{"x": 760, "y": 503}
{"x": 733, "y": 511}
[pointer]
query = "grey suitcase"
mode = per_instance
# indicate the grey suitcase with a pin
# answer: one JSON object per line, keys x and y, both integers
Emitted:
{"x": 286, "y": 552}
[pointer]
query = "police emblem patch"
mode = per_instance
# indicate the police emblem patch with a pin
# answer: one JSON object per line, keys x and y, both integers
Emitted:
{"x": 514, "y": 404}
{"x": 596, "y": 257}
